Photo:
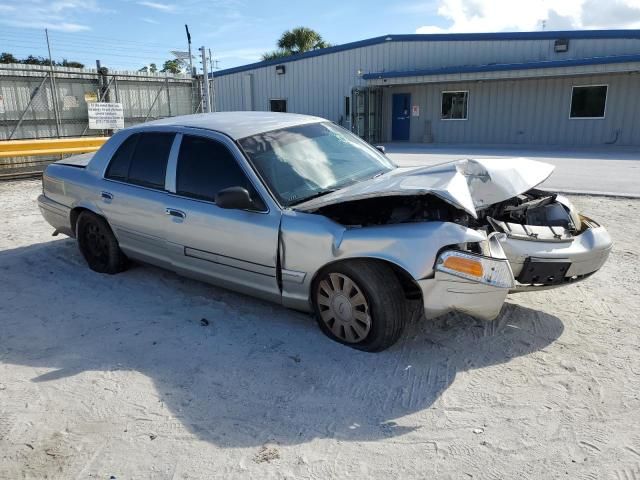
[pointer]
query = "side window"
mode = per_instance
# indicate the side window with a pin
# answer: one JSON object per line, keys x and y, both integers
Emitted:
{"x": 149, "y": 162}
{"x": 119, "y": 164}
{"x": 142, "y": 159}
{"x": 205, "y": 167}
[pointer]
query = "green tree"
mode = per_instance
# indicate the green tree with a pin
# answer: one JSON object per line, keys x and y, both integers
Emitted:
{"x": 297, "y": 40}
{"x": 151, "y": 68}
{"x": 171, "y": 66}
{"x": 32, "y": 60}
{"x": 71, "y": 63}
{"x": 275, "y": 54}
{"x": 6, "y": 57}
{"x": 301, "y": 39}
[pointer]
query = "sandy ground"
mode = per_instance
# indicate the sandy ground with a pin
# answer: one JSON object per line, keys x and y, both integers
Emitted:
{"x": 120, "y": 376}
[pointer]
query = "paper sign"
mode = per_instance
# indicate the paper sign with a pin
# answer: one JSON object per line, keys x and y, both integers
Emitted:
{"x": 415, "y": 111}
{"x": 1, "y": 104}
{"x": 69, "y": 102}
{"x": 105, "y": 116}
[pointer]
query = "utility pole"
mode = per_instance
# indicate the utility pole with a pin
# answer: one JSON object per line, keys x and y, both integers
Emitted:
{"x": 213, "y": 83}
{"x": 206, "y": 96}
{"x": 103, "y": 83}
{"x": 54, "y": 91}
{"x": 186, "y": 27}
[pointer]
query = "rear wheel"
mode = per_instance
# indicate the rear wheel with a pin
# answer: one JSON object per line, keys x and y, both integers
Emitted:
{"x": 360, "y": 303}
{"x": 98, "y": 244}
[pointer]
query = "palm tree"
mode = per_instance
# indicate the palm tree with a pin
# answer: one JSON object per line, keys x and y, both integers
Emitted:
{"x": 297, "y": 40}
{"x": 275, "y": 54}
{"x": 301, "y": 39}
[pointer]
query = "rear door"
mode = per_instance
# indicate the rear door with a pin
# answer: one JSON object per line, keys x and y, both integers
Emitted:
{"x": 133, "y": 195}
{"x": 232, "y": 248}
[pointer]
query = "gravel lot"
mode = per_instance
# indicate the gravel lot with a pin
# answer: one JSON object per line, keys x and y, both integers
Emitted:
{"x": 149, "y": 375}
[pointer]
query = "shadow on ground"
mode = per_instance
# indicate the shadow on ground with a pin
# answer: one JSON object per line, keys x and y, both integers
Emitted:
{"x": 257, "y": 372}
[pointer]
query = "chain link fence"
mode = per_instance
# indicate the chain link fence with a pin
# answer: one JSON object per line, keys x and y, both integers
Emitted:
{"x": 37, "y": 102}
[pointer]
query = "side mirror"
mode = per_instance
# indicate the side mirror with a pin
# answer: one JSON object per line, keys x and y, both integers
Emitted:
{"x": 236, "y": 198}
{"x": 380, "y": 148}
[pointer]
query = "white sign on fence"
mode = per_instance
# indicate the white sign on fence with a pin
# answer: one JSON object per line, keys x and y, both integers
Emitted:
{"x": 105, "y": 116}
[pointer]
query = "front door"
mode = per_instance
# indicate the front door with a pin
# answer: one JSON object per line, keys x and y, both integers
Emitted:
{"x": 401, "y": 114}
{"x": 236, "y": 249}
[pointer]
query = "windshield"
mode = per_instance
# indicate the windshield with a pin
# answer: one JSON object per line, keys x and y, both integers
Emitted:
{"x": 307, "y": 161}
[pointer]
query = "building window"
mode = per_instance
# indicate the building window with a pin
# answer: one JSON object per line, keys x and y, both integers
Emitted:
{"x": 278, "y": 105}
{"x": 588, "y": 101}
{"x": 454, "y": 105}
{"x": 347, "y": 106}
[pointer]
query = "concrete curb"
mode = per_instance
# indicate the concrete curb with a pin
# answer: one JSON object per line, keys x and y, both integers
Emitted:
{"x": 590, "y": 193}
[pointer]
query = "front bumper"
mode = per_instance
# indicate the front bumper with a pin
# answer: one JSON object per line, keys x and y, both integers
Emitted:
{"x": 584, "y": 255}
{"x": 446, "y": 293}
{"x": 581, "y": 255}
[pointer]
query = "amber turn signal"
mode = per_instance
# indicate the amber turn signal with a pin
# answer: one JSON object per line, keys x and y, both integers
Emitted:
{"x": 464, "y": 265}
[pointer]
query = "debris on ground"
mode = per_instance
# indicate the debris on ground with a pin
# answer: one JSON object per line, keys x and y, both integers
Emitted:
{"x": 266, "y": 454}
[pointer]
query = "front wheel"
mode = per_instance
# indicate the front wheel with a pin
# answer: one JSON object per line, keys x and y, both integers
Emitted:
{"x": 360, "y": 303}
{"x": 98, "y": 244}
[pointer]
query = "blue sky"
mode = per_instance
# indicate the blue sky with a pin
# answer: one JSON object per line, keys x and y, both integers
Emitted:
{"x": 130, "y": 34}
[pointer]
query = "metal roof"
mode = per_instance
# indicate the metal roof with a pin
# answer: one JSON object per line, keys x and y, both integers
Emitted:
{"x": 498, "y": 67}
{"x": 441, "y": 37}
{"x": 238, "y": 124}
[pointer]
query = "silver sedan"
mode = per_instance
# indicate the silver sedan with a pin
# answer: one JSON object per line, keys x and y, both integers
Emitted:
{"x": 296, "y": 210}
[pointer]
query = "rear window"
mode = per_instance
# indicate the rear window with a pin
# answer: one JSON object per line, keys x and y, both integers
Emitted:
{"x": 142, "y": 159}
{"x": 119, "y": 165}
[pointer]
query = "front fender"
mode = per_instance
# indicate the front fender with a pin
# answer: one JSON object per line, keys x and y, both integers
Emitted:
{"x": 310, "y": 241}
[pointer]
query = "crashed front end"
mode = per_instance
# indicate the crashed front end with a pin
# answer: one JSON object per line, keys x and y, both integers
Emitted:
{"x": 475, "y": 284}
{"x": 529, "y": 239}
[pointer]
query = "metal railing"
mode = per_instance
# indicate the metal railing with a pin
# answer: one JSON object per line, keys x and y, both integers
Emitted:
{"x": 52, "y": 146}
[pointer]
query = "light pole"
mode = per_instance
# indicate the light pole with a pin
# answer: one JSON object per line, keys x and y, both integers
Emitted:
{"x": 206, "y": 94}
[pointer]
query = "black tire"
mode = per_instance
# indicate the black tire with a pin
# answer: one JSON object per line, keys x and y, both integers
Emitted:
{"x": 98, "y": 244}
{"x": 386, "y": 304}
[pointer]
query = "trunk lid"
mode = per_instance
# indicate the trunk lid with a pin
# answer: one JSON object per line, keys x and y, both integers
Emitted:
{"x": 469, "y": 184}
{"x": 79, "y": 161}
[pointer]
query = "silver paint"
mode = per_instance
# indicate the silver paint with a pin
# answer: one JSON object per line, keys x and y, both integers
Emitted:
{"x": 276, "y": 254}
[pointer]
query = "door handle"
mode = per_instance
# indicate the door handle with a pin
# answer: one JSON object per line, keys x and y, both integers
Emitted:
{"x": 175, "y": 213}
{"x": 108, "y": 196}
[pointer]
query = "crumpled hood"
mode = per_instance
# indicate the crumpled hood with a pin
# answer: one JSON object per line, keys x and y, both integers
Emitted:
{"x": 469, "y": 184}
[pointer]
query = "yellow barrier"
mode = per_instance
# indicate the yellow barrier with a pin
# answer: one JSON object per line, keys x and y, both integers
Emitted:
{"x": 53, "y": 146}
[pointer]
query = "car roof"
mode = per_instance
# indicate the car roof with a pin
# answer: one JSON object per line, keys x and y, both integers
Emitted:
{"x": 238, "y": 124}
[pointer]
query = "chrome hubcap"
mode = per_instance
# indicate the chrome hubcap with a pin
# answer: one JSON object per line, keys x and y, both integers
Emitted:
{"x": 344, "y": 308}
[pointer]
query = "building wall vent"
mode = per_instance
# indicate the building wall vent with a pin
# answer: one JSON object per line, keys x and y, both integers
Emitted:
{"x": 280, "y": 69}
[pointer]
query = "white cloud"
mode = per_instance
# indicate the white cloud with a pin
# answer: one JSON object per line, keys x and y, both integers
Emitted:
{"x": 163, "y": 7}
{"x": 523, "y": 15}
{"x": 150, "y": 20}
{"x": 61, "y": 15}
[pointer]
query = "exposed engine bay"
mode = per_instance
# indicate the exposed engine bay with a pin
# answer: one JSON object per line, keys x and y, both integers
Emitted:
{"x": 535, "y": 208}
{"x": 533, "y": 216}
